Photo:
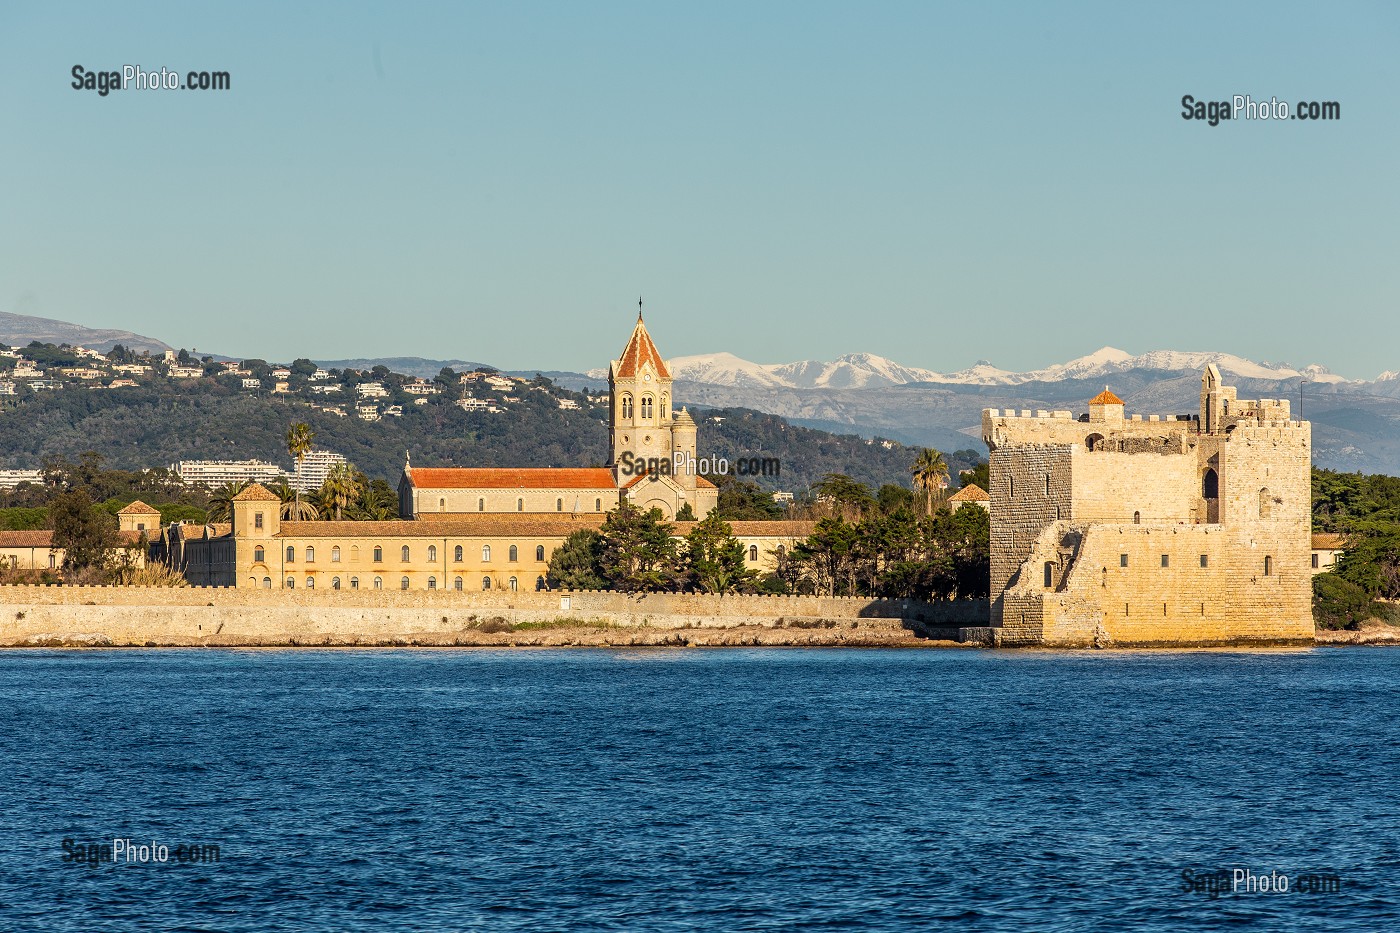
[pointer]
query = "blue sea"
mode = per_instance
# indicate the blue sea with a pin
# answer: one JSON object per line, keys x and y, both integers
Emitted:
{"x": 708, "y": 789}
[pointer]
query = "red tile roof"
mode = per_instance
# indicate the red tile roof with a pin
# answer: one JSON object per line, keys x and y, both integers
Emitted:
{"x": 970, "y": 493}
{"x": 1328, "y": 542}
{"x": 26, "y": 538}
{"x": 257, "y": 492}
{"x": 1105, "y": 398}
{"x": 508, "y": 478}
{"x": 641, "y": 350}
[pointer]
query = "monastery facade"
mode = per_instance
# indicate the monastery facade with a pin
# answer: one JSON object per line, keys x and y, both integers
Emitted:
{"x": 1177, "y": 529}
{"x": 483, "y": 528}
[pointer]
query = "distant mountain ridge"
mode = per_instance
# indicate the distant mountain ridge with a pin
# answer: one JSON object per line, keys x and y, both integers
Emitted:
{"x": 18, "y": 330}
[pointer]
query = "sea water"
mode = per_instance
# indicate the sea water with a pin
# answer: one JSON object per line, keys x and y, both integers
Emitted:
{"x": 699, "y": 789}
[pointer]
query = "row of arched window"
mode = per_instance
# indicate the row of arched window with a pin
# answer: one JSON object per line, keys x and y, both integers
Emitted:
{"x": 458, "y": 584}
{"x": 405, "y": 554}
{"x": 648, "y": 406}
{"x": 558, "y": 505}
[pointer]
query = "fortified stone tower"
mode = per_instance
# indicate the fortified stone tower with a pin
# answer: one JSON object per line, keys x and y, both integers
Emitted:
{"x": 1169, "y": 529}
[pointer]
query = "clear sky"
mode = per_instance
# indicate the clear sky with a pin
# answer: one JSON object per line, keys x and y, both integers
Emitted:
{"x": 933, "y": 183}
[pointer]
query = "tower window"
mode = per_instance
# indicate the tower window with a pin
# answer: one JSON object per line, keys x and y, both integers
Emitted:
{"x": 1137, "y": 518}
{"x": 481, "y": 505}
{"x": 1268, "y": 566}
{"x": 258, "y": 555}
{"x": 519, "y": 505}
{"x": 257, "y": 519}
{"x": 1205, "y": 560}
{"x": 646, "y": 408}
{"x": 1166, "y": 560}
{"x": 1122, "y": 560}
{"x": 627, "y": 407}
{"x": 558, "y": 505}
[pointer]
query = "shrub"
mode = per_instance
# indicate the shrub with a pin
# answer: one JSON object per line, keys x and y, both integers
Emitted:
{"x": 1339, "y": 603}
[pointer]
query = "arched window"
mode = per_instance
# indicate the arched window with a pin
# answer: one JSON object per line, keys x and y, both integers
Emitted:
{"x": 432, "y": 583}
{"x": 354, "y": 552}
{"x": 258, "y": 554}
{"x": 486, "y": 583}
{"x": 558, "y": 505}
{"x": 291, "y": 583}
{"x": 403, "y": 583}
{"x": 665, "y": 404}
{"x": 379, "y": 583}
{"x": 404, "y": 554}
{"x": 539, "y": 552}
{"x": 519, "y": 505}
{"x": 267, "y": 583}
{"x": 1137, "y": 518}
{"x": 481, "y": 505}
{"x": 311, "y": 583}
{"x": 291, "y": 554}
{"x": 253, "y": 582}
{"x": 310, "y": 554}
{"x": 442, "y": 505}
{"x": 1210, "y": 485}
{"x": 457, "y": 584}
{"x": 513, "y": 584}
{"x": 457, "y": 553}
{"x": 354, "y": 583}
{"x": 646, "y": 408}
{"x": 486, "y": 553}
{"x": 514, "y": 553}
{"x": 335, "y": 554}
{"x": 753, "y": 552}
{"x": 432, "y": 553}
{"x": 781, "y": 551}
{"x": 627, "y": 407}
{"x": 539, "y": 583}
{"x": 597, "y": 505}
{"x": 378, "y": 554}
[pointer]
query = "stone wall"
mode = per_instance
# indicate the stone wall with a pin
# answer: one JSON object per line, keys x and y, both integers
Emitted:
{"x": 32, "y": 615}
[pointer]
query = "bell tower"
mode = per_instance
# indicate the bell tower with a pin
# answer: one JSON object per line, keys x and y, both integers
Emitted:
{"x": 639, "y": 386}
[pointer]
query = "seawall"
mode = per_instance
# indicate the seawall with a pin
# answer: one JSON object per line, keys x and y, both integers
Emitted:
{"x": 217, "y": 616}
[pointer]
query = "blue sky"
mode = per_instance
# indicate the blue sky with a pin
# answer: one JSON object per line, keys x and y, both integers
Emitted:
{"x": 933, "y": 183}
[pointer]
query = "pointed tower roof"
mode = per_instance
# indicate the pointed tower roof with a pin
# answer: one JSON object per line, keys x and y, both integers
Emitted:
{"x": 139, "y": 508}
{"x": 257, "y": 492}
{"x": 640, "y": 350}
{"x": 1105, "y": 398}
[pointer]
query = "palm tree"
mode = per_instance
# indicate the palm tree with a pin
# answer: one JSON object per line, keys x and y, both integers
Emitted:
{"x": 293, "y": 509}
{"x": 299, "y": 437}
{"x": 341, "y": 488}
{"x": 221, "y": 501}
{"x": 930, "y": 473}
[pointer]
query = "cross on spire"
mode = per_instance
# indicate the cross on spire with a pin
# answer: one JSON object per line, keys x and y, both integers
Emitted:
{"x": 639, "y": 307}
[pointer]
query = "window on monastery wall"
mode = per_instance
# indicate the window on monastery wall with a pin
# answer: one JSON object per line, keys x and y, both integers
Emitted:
{"x": 432, "y": 583}
{"x": 432, "y": 553}
{"x": 1122, "y": 560}
{"x": 354, "y": 583}
{"x": 257, "y": 519}
{"x": 267, "y": 583}
{"x": 597, "y": 505}
{"x": 310, "y": 555}
{"x": 485, "y": 553}
{"x": 291, "y": 583}
{"x": 1205, "y": 560}
{"x": 1268, "y": 565}
{"x": 1166, "y": 560}
{"x": 335, "y": 554}
{"x": 259, "y": 555}
{"x": 539, "y": 552}
{"x": 379, "y": 583}
{"x": 378, "y": 555}
{"x": 442, "y": 505}
{"x": 513, "y": 584}
{"x": 354, "y": 552}
{"x": 1314, "y": 561}
{"x": 514, "y": 553}
{"x": 403, "y": 583}
{"x": 646, "y": 408}
{"x": 753, "y": 552}
{"x": 519, "y": 505}
{"x": 310, "y": 583}
{"x": 457, "y": 553}
{"x": 486, "y": 583}
{"x": 457, "y": 584}
{"x": 335, "y": 583}
{"x": 1137, "y": 518}
{"x": 481, "y": 505}
{"x": 558, "y": 505}
{"x": 539, "y": 584}
{"x": 627, "y": 407}
{"x": 291, "y": 554}
{"x": 404, "y": 554}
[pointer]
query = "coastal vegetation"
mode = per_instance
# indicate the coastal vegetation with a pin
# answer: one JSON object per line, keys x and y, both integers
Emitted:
{"x": 1365, "y": 511}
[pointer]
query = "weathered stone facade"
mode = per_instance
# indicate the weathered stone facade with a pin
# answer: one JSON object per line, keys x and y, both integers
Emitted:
{"x": 1178, "y": 529}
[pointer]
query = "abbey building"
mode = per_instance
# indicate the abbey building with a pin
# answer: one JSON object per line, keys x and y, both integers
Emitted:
{"x": 652, "y": 459}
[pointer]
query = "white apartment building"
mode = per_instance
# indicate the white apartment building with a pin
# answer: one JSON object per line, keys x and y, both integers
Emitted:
{"x": 9, "y": 479}
{"x": 312, "y": 470}
{"x": 215, "y": 473}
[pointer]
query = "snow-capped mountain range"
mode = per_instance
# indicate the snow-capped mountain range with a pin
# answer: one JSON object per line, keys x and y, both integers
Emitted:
{"x": 865, "y": 370}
